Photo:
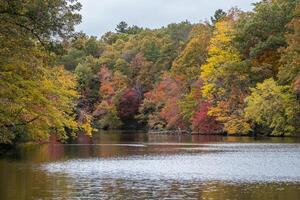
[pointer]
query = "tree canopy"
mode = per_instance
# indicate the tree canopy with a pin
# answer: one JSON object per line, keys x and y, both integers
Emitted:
{"x": 37, "y": 99}
{"x": 238, "y": 74}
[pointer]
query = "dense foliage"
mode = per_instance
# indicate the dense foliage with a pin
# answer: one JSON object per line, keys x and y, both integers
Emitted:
{"x": 238, "y": 74}
{"x": 37, "y": 99}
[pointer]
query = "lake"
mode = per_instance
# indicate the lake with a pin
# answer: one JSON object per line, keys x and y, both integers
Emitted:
{"x": 120, "y": 165}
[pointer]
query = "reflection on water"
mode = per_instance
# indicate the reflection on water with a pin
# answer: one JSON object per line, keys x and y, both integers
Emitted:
{"x": 140, "y": 166}
{"x": 258, "y": 163}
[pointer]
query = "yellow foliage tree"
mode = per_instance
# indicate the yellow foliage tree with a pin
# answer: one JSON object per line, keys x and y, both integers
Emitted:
{"x": 225, "y": 78}
{"x": 36, "y": 101}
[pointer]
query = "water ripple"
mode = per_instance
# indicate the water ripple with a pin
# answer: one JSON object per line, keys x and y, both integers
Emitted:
{"x": 231, "y": 162}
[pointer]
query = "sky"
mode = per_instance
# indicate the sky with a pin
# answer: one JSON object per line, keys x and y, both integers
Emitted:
{"x": 101, "y": 16}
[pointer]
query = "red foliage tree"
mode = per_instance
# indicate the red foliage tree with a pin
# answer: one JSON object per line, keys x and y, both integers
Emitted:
{"x": 106, "y": 90}
{"x": 167, "y": 93}
{"x": 171, "y": 113}
{"x": 203, "y": 123}
{"x": 129, "y": 104}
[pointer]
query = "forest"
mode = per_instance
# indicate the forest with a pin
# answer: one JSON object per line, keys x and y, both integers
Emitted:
{"x": 238, "y": 73}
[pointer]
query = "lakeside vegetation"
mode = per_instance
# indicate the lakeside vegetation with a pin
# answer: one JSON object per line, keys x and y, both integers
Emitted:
{"x": 239, "y": 73}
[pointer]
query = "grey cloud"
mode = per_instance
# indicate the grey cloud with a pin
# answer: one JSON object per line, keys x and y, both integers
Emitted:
{"x": 100, "y": 16}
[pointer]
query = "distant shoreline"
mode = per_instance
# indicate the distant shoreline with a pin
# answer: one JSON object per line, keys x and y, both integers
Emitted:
{"x": 185, "y": 132}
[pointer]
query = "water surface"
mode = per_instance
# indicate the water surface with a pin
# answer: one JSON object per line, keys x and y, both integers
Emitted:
{"x": 117, "y": 165}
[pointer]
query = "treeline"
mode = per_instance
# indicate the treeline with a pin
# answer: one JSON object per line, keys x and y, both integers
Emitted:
{"x": 237, "y": 74}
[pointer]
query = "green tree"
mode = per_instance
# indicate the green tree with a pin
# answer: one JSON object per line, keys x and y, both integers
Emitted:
{"x": 84, "y": 76}
{"x": 179, "y": 32}
{"x": 195, "y": 53}
{"x": 274, "y": 106}
{"x": 219, "y": 15}
{"x": 122, "y": 27}
{"x": 259, "y": 35}
{"x": 44, "y": 21}
{"x": 134, "y": 29}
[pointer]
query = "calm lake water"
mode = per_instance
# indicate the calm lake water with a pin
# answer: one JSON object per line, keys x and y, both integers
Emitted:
{"x": 118, "y": 165}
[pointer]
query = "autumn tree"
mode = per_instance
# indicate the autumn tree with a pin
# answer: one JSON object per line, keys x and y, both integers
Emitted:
{"x": 190, "y": 101}
{"x": 153, "y": 75}
{"x": 188, "y": 63}
{"x": 144, "y": 72}
{"x": 195, "y": 111}
{"x": 296, "y": 87}
{"x": 166, "y": 94}
{"x": 261, "y": 33}
{"x": 202, "y": 122}
{"x": 36, "y": 103}
{"x": 274, "y": 106}
{"x": 112, "y": 87}
{"x": 129, "y": 106}
{"x": 289, "y": 69}
{"x": 36, "y": 100}
{"x": 226, "y": 79}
